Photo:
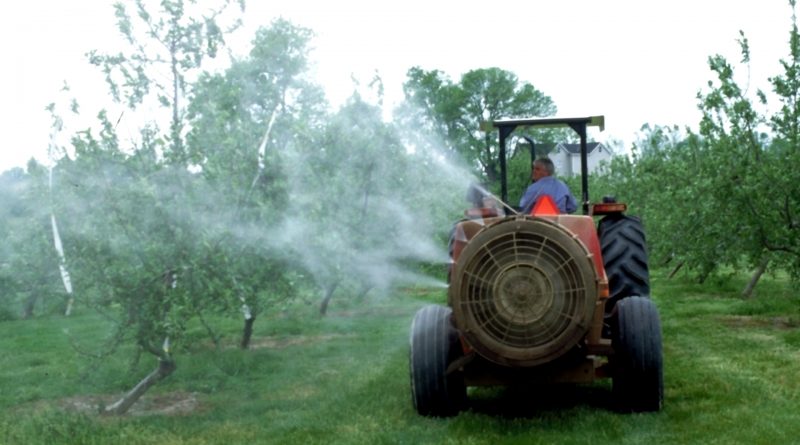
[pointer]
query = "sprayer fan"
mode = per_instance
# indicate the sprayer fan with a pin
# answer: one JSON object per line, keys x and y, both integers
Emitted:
{"x": 523, "y": 291}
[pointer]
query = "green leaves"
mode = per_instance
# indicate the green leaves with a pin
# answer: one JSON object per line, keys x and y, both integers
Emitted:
{"x": 174, "y": 40}
{"x": 728, "y": 196}
{"x": 453, "y": 112}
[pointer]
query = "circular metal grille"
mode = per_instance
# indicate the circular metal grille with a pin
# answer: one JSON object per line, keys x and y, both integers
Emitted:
{"x": 523, "y": 291}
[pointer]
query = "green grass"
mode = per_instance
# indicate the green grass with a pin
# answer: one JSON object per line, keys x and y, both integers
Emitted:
{"x": 731, "y": 375}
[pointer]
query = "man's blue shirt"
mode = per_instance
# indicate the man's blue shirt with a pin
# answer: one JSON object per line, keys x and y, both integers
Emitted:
{"x": 557, "y": 190}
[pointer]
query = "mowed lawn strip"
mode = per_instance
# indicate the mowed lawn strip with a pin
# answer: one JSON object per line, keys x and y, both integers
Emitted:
{"x": 731, "y": 376}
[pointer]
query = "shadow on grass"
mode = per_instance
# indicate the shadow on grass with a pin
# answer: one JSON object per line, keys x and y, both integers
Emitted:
{"x": 538, "y": 401}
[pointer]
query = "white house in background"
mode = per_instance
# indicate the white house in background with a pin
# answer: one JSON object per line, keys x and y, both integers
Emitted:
{"x": 567, "y": 157}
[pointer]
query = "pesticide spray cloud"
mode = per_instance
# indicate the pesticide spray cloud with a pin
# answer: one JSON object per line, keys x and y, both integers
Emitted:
{"x": 362, "y": 214}
{"x": 365, "y": 212}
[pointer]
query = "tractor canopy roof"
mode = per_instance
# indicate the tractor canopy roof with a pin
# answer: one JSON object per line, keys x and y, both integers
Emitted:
{"x": 578, "y": 124}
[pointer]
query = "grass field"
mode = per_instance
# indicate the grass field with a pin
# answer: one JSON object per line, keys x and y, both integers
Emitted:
{"x": 732, "y": 376}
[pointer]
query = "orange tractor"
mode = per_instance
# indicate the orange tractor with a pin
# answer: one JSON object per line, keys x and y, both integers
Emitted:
{"x": 541, "y": 299}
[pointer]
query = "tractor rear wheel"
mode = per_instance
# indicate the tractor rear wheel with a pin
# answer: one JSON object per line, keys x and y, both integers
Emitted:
{"x": 434, "y": 345}
{"x": 622, "y": 243}
{"x": 638, "y": 380}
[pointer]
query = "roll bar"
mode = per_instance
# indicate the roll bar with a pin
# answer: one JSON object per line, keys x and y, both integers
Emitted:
{"x": 578, "y": 124}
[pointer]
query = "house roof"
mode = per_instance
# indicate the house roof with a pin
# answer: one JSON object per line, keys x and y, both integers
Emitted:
{"x": 574, "y": 149}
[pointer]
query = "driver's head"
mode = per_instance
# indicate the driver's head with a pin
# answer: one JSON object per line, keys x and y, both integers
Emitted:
{"x": 542, "y": 167}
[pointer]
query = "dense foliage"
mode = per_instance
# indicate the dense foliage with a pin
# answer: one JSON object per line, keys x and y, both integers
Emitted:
{"x": 453, "y": 112}
{"x": 256, "y": 194}
{"x": 727, "y": 196}
{"x": 259, "y": 194}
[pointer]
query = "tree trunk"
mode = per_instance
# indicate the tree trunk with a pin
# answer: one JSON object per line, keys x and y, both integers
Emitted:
{"x": 323, "y": 307}
{"x": 247, "y": 332}
{"x": 70, "y": 302}
{"x": 364, "y": 291}
{"x": 30, "y": 304}
{"x": 675, "y": 270}
{"x": 166, "y": 366}
{"x": 751, "y": 285}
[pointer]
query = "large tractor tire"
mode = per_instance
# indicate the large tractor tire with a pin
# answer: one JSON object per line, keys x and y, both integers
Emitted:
{"x": 623, "y": 246}
{"x": 434, "y": 345}
{"x": 638, "y": 380}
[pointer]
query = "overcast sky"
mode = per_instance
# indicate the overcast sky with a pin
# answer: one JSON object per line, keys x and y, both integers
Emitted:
{"x": 635, "y": 62}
